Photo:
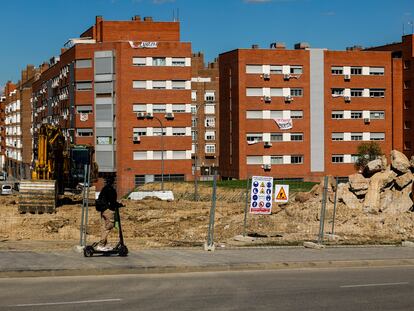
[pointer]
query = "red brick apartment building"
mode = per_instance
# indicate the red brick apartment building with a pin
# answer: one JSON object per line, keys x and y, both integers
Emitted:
{"x": 302, "y": 113}
{"x": 2, "y": 130}
{"x": 205, "y": 115}
{"x": 122, "y": 86}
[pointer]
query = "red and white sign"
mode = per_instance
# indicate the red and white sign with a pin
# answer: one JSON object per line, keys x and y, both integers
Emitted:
{"x": 284, "y": 124}
{"x": 144, "y": 45}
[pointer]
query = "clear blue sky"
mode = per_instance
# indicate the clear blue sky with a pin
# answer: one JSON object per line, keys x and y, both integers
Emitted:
{"x": 32, "y": 31}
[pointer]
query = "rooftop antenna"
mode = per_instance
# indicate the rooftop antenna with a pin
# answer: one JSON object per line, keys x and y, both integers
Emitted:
{"x": 412, "y": 26}
{"x": 178, "y": 14}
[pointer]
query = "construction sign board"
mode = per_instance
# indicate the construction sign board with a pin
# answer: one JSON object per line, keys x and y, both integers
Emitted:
{"x": 281, "y": 193}
{"x": 261, "y": 195}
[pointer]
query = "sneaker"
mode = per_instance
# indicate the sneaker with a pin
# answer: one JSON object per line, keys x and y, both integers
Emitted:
{"x": 103, "y": 248}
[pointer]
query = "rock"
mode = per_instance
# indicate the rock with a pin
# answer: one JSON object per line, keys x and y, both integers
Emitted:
{"x": 347, "y": 197}
{"x": 242, "y": 238}
{"x": 394, "y": 201}
{"x": 407, "y": 244}
{"x": 358, "y": 184}
{"x": 399, "y": 161}
{"x": 404, "y": 180}
{"x": 412, "y": 161}
{"x": 376, "y": 185}
{"x": 302, "y": 197}
{"x": 313, "y": 245}
{"x": 374, "y": 166}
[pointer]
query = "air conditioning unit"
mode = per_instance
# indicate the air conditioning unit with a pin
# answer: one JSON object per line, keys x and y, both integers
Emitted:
{"x": 347, "y": 99}
{"x": 169, "y": 116}
{"x": 149, "y": 115}
{"x": 136, "y": 139}
{"x": 347, "y": 77}
{"x": 288, "y": 98}
{"x": 141, "y": 115}
{"x": 266, "y": 76}
{"x": 267, "y": 99}
{"x": 267, "y": 167}
{"x": 286, "y": 77}
{"x": 267, "y": 144}
{"x": 367, "y": 120}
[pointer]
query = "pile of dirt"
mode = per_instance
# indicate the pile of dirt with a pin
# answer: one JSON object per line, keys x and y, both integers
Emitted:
{"x": 152, "y": 223}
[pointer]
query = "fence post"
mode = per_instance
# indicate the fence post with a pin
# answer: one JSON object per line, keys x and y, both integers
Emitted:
{"x": 209, "y": 246}
{"x": 334, "y": 210}
{"x": 246, "y": 206}
{"x": 322, "y": 218}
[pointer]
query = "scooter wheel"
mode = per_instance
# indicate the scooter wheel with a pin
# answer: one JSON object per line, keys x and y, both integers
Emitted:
{"x": 123, "y": 251}
{"x": 88, "y": 251}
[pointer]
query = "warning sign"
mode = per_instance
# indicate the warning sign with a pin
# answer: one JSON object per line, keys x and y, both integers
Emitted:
{"x": 281, "y": 193}
{"x": 261, "y": 195}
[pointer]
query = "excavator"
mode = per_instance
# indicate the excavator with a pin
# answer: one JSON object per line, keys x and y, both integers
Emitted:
{"x": 58, "y": 167}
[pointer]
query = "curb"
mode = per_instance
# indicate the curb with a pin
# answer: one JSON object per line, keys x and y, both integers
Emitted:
{"x": 209, "y": 268}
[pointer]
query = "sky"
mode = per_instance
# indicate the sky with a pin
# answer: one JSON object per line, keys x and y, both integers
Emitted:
{"x": 32, "y": 31}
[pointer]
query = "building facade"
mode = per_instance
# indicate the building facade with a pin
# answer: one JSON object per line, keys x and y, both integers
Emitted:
{"x": 125, "y": 88}
{"x": 2, "y": 131}
{"x": 205, "y": 116}
{"x": 302, "y": 113}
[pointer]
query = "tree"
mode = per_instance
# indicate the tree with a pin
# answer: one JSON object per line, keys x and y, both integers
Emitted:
{"x": 367, "y": 152}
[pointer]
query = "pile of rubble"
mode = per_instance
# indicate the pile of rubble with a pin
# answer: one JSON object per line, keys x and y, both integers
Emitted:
{"x": 381, "y": 187}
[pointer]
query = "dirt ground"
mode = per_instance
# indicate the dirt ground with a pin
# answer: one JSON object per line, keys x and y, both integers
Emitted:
{"x": 152, "y": 223}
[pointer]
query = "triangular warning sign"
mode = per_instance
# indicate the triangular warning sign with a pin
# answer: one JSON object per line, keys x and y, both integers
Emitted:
{"x": 282, "y": 194}
{"x": 262, "y": 184}
{"x": 262, "y": 191}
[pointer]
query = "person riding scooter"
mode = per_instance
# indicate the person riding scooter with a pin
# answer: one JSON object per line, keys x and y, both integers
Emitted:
{"x": 108, "y": 198}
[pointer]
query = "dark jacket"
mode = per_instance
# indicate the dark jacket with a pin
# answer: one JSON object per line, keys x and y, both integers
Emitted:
{"x": 108, "y": 193}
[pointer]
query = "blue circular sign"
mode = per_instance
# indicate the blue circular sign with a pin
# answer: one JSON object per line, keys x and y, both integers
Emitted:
{"x": 254, "y": 204}
{"x": 268, "y": 198}
{"x": 256, "y": 183}
{"x": 255, "y": 190}
{"x": 255, "y": 197}
{"x": 269, "y": 184}
{"x": 268, "y": 204}
{"x": 268, "y": 191}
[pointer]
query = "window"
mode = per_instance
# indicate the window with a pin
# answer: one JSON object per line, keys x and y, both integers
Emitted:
{"x": 158, "y": 108}
{"x": 296, "y": 114}
{"x": 210, "y": 148}
{"x": 407, "y": 145}
{"x": 356, "y": 136}
{"x": 179, "y": 155}
{"x": 84, "y": 85}
{"x": 254, "y": 160}
{"x": 159, "y": 85}
{"x": 296, "y": 69}
{"x": 158, "y": 155}
{"x": 337, "y": 136}
{"x": 275, "y": 69}
{"x": 276, "y": 137}
{"x": 377, "y": 136}
{"x": 407, "y": 64}
{"x": 296, "y": 136}
{"x": 276, "y": 114}
{"x": 157, "y": 131}
{"x": 194, "y": 135}
{"x": 276, "y": 160}
{"x": 276, "y": 92}
{"x": 210, "y": 135}
{"x": 356, "y": 114}
{"x": 141, "y": 84}
{"x": 193, "y": 109}
{"x": 103, "y": 88}
{"x": 178, "y": 85}
{"x": 356, "y": 70}
{"x": 407, "y": 104}
{"x": 140, "y": 155}
{"x": 254, "y": 137}
{"x": 376, "y": 93}
{"x": 376, "y": 71}
{"x": 210, "y": 122}
{"x": 335, "y": 70}
{"x": 337, "y": 158}
{"x": 140, "y": 131}
{"x": 104, "y": 140}
{"x": 354, "y": 158}
{"x": 193, "y": 96}
{"x": 84, "y": 109}
{"x": 254, "y": 114}
{"x": 83, "y": 63}
{"x": 357, "y": 92}
{"x": 337, "y": 92}
{"x": 178, "y": 108}
{"x": 103, "y": 65}
{"x": 139, "y": 61}
{"x": 84, "y": 132}
{"x": 158, "y": 61}
{"x": 377, "y": 115}
{"x": 178, "y": 61}
{"x": 193, "y": 122}
{"x": 255, "y": 69}
{"x": 178, "y": 131}
{"x": 337, "y": 114}
{"x": 209, "y": 96}
{"x": 209, "y": 109}
{"x": 296, "y": 92}
{"x": 407, "y": 125}
{"x": 254, "y": 91}
{"x": 407, "y": 84}
{"x": 296, "y": 159}
{"x": 139, "y": 108}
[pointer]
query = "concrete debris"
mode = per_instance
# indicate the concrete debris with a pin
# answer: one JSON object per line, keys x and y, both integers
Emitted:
{"x": 407, "y": 244}
{"x": 399, "y": 162}
{"x": 313, "y": 245}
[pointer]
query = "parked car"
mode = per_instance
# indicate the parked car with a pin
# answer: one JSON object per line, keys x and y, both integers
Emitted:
{"x": 6, "y": 189}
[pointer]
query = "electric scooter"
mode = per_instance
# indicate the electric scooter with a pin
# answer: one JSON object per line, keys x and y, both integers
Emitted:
{"x": 119, "y": 249}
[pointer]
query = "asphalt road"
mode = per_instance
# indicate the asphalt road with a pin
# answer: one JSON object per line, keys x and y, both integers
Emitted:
{"x": 378, "y": 289}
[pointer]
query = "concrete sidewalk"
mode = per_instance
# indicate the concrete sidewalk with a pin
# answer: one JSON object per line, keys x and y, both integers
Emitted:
{"x": 60, "y": 263}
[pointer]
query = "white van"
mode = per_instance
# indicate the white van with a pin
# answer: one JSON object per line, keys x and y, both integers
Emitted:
{"x": 6, "y": 190}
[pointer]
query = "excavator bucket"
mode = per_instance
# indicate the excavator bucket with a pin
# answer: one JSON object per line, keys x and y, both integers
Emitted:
{"x": 37, "y": 196}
